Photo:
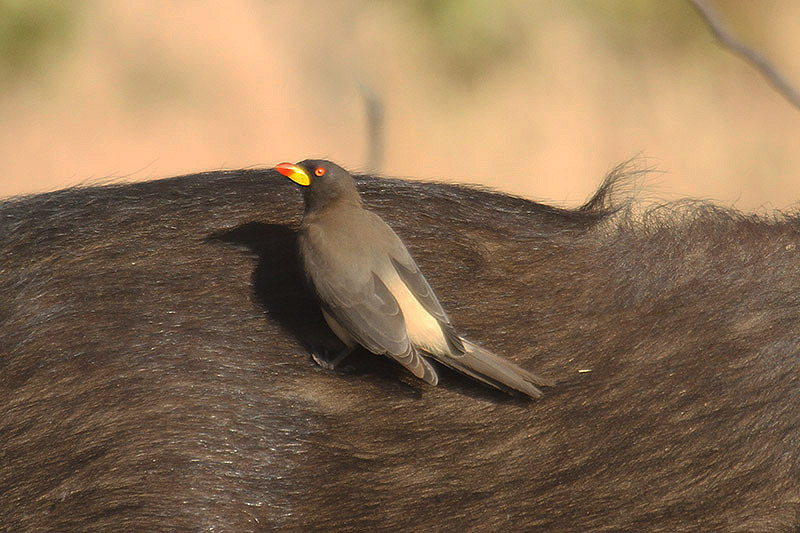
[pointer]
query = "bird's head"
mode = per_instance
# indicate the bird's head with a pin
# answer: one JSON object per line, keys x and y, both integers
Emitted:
{"x": 323, "y": 182}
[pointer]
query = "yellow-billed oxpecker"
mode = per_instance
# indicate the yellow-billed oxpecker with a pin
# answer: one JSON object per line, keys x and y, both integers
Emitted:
{"x": 373, "y": 294}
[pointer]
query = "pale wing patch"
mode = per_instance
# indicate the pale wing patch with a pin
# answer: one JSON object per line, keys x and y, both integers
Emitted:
{"x": 423, "y": 329}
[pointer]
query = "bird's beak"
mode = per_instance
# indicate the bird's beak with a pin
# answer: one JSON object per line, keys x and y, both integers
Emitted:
{"x": 294, "y": 173}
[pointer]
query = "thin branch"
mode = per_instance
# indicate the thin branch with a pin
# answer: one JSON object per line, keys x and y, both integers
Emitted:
{"x": 729, "y": 41}
{"x": 374, "y": 110}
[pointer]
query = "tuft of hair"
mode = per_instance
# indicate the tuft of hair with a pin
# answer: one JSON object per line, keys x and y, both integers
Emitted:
{"x": 622, "y": 186}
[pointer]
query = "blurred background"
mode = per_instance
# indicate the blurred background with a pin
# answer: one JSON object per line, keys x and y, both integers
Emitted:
{"x": 536, "y": 98}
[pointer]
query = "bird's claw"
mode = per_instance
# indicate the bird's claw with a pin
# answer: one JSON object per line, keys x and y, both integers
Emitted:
{"x": 322, "y": 362}
{"x": 332, "y": 364}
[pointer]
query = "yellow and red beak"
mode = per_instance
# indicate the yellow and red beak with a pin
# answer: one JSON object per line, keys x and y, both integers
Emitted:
{"x": 294, "y": 173}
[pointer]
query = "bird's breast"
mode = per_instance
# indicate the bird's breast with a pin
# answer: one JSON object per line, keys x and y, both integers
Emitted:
{"x": 339, "y": 330}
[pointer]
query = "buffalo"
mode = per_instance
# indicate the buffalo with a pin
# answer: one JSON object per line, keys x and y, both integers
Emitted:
{"x": 155, "y": 367}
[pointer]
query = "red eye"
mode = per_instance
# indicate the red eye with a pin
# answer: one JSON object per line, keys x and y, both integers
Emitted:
{"x": 319, "y": 171}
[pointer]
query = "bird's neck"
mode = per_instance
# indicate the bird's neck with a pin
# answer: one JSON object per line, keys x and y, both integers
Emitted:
{"x": 319, "y": 202}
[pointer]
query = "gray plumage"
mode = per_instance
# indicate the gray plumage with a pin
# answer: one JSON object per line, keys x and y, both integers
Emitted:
{"x": 372, "y": 292}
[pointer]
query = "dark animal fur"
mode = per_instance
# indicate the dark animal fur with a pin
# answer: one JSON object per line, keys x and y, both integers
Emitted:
{"x": 154, "y": 370}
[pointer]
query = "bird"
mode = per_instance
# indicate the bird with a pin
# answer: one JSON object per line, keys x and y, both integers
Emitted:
{"x": 373, "y": 294}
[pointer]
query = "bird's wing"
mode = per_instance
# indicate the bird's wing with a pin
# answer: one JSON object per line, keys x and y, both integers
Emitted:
{"x": 361, "y": 303}
{"x": 409, "y": 272}
{"x": 411, "y": 275}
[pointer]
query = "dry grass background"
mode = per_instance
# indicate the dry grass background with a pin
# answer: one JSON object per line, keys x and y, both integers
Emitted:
{"x": 537, "y": 98}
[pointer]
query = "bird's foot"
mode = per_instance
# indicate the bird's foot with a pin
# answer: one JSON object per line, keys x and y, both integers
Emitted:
{"x": 322, "y": 361}
{"x": 330, "y": 364}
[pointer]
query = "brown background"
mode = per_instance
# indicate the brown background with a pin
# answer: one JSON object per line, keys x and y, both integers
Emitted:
{"x": 537, "y": 98}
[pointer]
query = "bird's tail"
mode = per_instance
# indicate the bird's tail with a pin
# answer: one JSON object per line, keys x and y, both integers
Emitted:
{"x": 486, "y": 367}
